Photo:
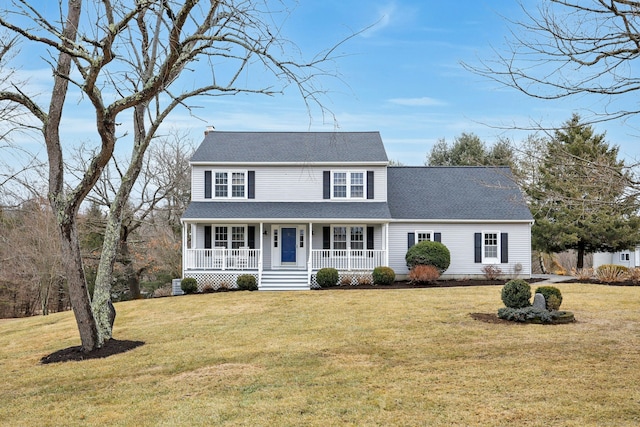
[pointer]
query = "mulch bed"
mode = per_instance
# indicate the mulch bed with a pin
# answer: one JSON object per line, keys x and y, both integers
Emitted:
{"x": 109, "y": 348}
{"x": 437, "y": 284}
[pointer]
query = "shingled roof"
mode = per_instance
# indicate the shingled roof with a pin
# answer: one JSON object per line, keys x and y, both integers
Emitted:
{"x": 288, "y": 210}
{"x": 295, "y": 147}
{"x": 455, "y": 193}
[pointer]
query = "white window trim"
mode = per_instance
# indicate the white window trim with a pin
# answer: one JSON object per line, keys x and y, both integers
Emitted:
{"x": 430, "y": 232}
{"x": 229, "y": 173}
{"x": 229, "y": 234}
{"x": 625, "y": 256}
{"x": 491, "y": 260}
{"x": 348, "y": 235}
{"x": 348, "y": 184}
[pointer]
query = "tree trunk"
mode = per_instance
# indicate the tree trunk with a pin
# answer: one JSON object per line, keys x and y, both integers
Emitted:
{"x": 580, "y": 264}
{"x": 104, "y": 275}
{"x": 543, "y": 267}
{"x": 78, "y": 292}
{"x": 133, "y": 276}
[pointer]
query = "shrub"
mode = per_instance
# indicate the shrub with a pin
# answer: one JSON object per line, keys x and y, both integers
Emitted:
{"x": 189, "y": 285}
{"x": 491, "y": 272}
{"x": 247, "y": 282}
{"x": 634, "y": 275}
{"x": 582, "y": 273}
{"x": 611, "y": 273}
{"x": 428, "y": 253}
{"x": 327, "y": 277}
{"x": 516, "y": 293}
{"x": 548, "y": 292}
{"x": 535, "y": 315}
{"x": 383, "y": 276}
{"x": 364, "y": 280}
{"x": 346, "y": 280}
{"x": 424, "y": 274}
{"x": 525, "y": 314}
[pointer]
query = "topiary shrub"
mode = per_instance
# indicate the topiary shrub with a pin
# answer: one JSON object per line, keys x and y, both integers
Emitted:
{"x": 424, "y": 274}
{"x": 516, "y": 293}
{"x": 247, "y": 282}
{"x": 189, "y": 285}
{"x": 428, "y": 253}
{"x": 548, "y": 292}
{"x": 327, "y": 277}
{"x": 384, "y": 276}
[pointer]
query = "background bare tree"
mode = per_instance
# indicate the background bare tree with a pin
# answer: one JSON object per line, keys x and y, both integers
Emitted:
{"x": 565, "y": 48}
{"x": 126, "y": 61}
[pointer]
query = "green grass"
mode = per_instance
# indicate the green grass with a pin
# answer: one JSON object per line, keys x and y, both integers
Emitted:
{"x": 361, "y": 358}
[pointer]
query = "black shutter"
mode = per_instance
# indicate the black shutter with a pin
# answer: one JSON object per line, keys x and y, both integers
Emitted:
{"x": 411, "y": 239}
{"x": 326, "y": 184}
{"x": 504, "y": 248}
{"x": 370, "y": 238}
{"x": 251, "y": 236}
{"x": 207, "y": 185}
{"x": 369, "y": 184}
{"x": 207, "y": 237}
{"x": 251, "y": 185}
{"x": 478, "y": 247}
{"x": 437, "y": 237}
{"x": 326, "y": 237}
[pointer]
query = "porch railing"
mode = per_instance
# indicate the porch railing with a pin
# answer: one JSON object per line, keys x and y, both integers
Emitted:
{"x": 363, "y": 259}
{"x": 222, "y": 259}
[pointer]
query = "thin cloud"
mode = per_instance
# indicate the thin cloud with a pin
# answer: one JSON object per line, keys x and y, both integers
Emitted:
{"x": 425, "y": 101}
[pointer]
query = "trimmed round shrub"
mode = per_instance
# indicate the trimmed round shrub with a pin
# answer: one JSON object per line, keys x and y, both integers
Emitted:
{"x": 384, "y": 276}
{"x": 516, "y": 293}
{"x": 548, "y": 292}
{"x": 189, "y": 285}
{"x": 247, "y": 282}
{"x": 327, "y": 277}
{"x": 428, "y": 253}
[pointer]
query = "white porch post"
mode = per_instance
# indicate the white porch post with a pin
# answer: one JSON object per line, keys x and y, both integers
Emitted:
{"x": 261, "y": 252}
{"x": 385, "y": 245}
{"x": 309, "y": 253}
{"x": 184, "y": 247}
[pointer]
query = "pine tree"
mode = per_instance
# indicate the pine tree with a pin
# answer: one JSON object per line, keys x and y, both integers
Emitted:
{"x": 580, "y": 198}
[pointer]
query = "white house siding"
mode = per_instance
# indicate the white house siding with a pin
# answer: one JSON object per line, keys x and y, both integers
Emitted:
{"x": 459, "y": 239}
{"x": 616, "y": 258}
{"x": 290, "y": 183}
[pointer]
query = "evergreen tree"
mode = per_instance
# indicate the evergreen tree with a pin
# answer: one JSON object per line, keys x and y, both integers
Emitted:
{"x": 579, "y": 195}
{"x": 469, "y": 150}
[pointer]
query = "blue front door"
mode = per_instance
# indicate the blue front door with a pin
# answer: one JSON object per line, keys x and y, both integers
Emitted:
{"x": 288, "y": 245}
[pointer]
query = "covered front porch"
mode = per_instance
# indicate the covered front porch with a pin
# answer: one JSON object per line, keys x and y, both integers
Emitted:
{"x": 281, "y": 255}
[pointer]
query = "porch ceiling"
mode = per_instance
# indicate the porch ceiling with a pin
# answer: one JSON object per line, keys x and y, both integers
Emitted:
{"x": 287, "y": 210}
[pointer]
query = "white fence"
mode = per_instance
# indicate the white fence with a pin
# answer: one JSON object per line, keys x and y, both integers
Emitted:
{"x": 348, "y": 260}
{"x": 222, "y": 259}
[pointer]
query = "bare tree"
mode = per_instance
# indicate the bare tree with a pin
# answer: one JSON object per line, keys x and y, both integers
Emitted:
{"x": 128, "y": 58}
{"x": 160, "y": 195}
{"x": 566, "y": 48}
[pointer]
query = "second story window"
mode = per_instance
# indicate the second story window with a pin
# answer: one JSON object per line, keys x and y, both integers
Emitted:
{"x": 348, "y": 185}
{"x": 221, "y": 184}
{"x": 226, "y": 184}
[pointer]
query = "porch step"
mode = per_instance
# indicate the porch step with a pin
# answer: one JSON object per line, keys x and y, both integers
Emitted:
{"x": 284, "y": 280}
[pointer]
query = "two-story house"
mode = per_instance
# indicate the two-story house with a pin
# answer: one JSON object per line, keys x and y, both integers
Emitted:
{"x": 282, "y": 205}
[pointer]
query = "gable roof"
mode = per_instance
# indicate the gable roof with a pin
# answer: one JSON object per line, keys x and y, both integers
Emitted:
{"x": 455, "y": 193}
{"x": 296, "y": 147}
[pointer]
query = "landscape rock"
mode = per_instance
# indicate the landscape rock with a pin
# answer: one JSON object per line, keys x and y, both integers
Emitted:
{"x": 539, "y": 301}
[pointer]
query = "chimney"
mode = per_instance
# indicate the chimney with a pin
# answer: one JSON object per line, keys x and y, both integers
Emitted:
{"x": 208, "y": 129}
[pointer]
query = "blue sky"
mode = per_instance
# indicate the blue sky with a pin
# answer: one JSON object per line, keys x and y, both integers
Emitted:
{"x": 401, "y": 77}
